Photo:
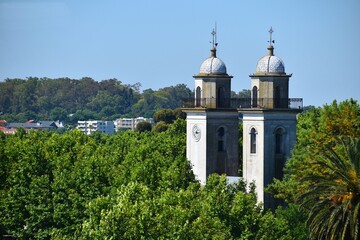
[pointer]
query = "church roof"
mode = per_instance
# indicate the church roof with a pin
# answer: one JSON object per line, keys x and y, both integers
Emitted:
{"x": 213, "y": 65}
{"x": 270, "y": 63}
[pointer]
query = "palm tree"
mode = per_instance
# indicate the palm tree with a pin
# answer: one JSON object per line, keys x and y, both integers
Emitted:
{"x": 332, "y": 196}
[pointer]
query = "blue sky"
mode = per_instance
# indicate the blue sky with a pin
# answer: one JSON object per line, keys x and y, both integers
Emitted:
{"x": 161, "y": 43}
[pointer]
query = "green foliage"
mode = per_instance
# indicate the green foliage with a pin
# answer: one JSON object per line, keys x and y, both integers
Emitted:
{"x": 317, "y": 128}
{"x": 165, "y": 115}
{"x": 333, "y": 195}
{"x": 128, "y": 214}
{"x": 295, "y": 219}
{"x": 245, "y": 93}
{"x": 322, "y": 174}
{"x": 165, "y": 98}
{"x": 163, "y": 118}
{"x": 74, "y": 186}
{"x": 70, "y": 100}
{"x": 219, "y": 211}
{"x": 160, "y": 126}
{"x": 272, "y": 228}
{"x": 143, "y": 127}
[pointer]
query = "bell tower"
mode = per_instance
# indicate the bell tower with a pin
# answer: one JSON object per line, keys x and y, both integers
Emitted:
{"x": 212, "y": 125}
{"x": 269, "y": 124}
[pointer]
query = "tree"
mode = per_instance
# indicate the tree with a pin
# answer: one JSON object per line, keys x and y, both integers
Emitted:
{"x": 320, "y": 172}
{"x": 316, "y": 128}
{"x": 160, "y": 126}
{"x": 332, "y": 195}
{"x": 165, "y": 115}
{"x": 143, "y": 127}
{"x": 245, "y": 93}
{"x": 128, "y": 185}
{"x": 105, "y": 99}
{"x": 58, "y": 113}
{"x": 126, "y": 215}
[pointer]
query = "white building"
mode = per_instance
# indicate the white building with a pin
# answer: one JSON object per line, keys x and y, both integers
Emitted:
{"x": 212, "y": 125}
{"x": 89, "y": 127}
{"x": 124, "y": 123}
{"x": 269, "y": 124}
{"x": 130, "y": 123}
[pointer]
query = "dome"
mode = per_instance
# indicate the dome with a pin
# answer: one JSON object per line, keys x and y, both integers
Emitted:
{"x": 270, "y": 63}
{"x": 213, "y": 65}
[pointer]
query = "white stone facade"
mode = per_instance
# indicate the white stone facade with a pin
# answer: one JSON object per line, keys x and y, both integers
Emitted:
{"x": 196, "y": 147}
{"x": 268, "y": 160}
{"x": 212, "y": 142}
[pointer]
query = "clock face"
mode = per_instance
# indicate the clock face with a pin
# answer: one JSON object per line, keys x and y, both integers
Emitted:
{"x": 196, "y": 132}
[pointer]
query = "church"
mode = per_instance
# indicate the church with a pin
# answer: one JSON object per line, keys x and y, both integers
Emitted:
{"x": 268, "y": 118}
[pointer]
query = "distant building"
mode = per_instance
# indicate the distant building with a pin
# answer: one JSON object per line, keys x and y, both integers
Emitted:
{"x": 10, "y": 128}
{"x": 3, "y": 123}
{"x": 130, "y": 123}
{"x": 89, "y": 127}
{"x": 124, "y": 123}
{"x": 4, "y": 129}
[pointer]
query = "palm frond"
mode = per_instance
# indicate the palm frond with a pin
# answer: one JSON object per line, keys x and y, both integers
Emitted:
{"x": 332, "y": 195}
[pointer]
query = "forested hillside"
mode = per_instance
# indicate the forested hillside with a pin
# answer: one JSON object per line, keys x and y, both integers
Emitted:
{"x": 70, "y": 100}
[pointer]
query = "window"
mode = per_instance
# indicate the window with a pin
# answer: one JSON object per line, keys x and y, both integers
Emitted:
{"x": 253, "y": 140}
{"x": 221, "y": 133}
{"x": 254, "y": 96}
{"x": 220, "y": 97}
{"x": 198, "y": 97}
{"x": 277, "y": 97}
{"x": 279, "y": 141}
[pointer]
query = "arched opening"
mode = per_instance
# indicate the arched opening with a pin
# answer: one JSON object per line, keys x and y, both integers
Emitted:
{"x": 277, "y": 99}
{"x": 198, "y": 97}
{"x": 279, "y": 148}
{"x": 254, "y": 96}
{"x": 253, "y": 140}
{"x": 279, "y": 152}
{"x": 221, "y": 159}
{"x": 220, "y": 100}
{"x": 221, "y": 134}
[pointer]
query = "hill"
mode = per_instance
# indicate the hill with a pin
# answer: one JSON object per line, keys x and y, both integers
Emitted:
{"x": 70, "y": 100}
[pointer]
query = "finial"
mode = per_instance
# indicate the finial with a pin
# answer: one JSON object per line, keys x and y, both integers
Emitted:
{"x": 271, "y": 32}
{"x": 214, "y": 40}
{"x": 271, "y": 48}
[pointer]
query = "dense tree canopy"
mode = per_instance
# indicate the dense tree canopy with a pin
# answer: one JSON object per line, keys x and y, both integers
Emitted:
{"x": 71, "y": 100}
{"x": 323, "y": 174}
{"x": 135, "y": 185}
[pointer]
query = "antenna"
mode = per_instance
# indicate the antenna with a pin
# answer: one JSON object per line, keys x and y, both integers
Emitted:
{"x": 271, "y": 41}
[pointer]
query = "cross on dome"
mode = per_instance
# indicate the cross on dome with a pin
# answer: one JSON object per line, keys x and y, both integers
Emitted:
{"x": 214, "y": 40}
{"x": 271, "y": 41}
{"x": 213, "y": 65}
{"x": 270, "y": 64}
